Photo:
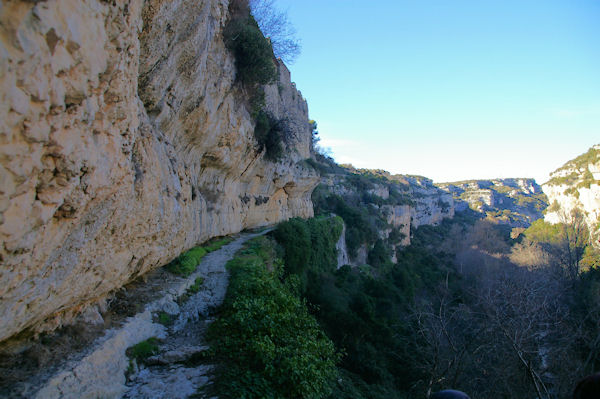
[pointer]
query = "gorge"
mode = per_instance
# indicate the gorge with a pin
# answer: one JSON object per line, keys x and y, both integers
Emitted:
{"x": 127, "y": 139}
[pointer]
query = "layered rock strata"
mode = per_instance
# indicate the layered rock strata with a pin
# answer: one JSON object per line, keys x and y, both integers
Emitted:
{"x": 124, "y": 140}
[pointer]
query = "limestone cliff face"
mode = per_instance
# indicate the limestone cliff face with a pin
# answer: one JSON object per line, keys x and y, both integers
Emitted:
{"x": 394, "y": 204}
{"x": 516, "y": 202}
{"x": 124, "y": 141}
{"x": 575, "y": 185}
{"x": 432, "y": 205}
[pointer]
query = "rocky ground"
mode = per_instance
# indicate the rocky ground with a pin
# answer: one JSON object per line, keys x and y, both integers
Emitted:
{"x": 99, "y": 367}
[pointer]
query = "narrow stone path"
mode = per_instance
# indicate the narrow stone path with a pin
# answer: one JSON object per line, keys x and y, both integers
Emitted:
{"x": 174, "y": 372}
{"x": 100, "y": 370}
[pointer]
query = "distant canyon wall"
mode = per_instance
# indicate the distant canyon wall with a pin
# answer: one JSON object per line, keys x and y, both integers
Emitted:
{"x": 514, "y": 201}
{"x": 397, "y": 203}
{"x": 124, "y": 141}
{"x": 575, "y": 185}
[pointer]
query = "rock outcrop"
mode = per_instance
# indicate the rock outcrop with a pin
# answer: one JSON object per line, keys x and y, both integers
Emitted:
{"x": 124, "y": 140}
{"x": 431, "y": 205}
{"x": 391, "y": 204}
{"x": 575, "y": 185}
{"x": 516, "y": 202}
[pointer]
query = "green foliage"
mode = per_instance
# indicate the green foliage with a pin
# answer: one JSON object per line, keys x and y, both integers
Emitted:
{"x": 187, "y": 262}
{"x": 324, "y": 164}
{"x": 542, "y": 231}
{"x": 214, "y": 245}
{"x": 294, "y": 235}
{"x": 252, "y": 51}
{"x": 143, "y": 350}
{"x": 380, "y": 254}
{"x": 554, "y": 207}
{"x": 591, "y": 258}
{"x": 396, "y": 236}
{"x": 165, "y": 319}
{"x": 361, "y": 222}
{"x": 270, "y": 134}
{"x": 360, "y": 207}
{"x": 536, "y": 202}
{"x": 195, "y": 288}
{"x": 270, "y": 346}
{"x": 363, "y": 310}
{"x": 309, "y": 246}
{"x": 582, "y": 161}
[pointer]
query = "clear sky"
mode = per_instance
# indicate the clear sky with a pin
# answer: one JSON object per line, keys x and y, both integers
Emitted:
{"x": 451, "y": 89}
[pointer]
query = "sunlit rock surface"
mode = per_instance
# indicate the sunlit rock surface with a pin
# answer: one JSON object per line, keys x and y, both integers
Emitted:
{"x": 123, "y": 142}
{"x": 575, "y": 185}
{"x": 517, "y": 202}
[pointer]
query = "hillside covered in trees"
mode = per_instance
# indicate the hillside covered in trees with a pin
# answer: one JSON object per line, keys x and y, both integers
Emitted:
{"x": 462, "y": 305}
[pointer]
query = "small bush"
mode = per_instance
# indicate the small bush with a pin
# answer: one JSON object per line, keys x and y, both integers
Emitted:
{"x": 186, "y": 263}
{"x": 143, "y": 350}
{"x": 270, "y": 133}
{"x": 195, "y": 288}
{"x": 216, "y": 244}
{"x": 165, "y": 319}
{"x": 252, "y": 51}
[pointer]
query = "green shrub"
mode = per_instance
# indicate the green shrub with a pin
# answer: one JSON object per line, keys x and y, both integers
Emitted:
{"x": 252, "y": 51}
{"x": 269, "y": 344}
{"x": 143, "y": 350}
{"x": 361, "y": 225}
{"x": 214, "y": 245}
{"x": 195, "y": 288}
{"x": 294, "y": 236}
{"x": 309, "y": 246}
{"x": 165, "y": 319}
{"x": 542, "y": 231}
{"x": 270, "y": 133}
{"x": 380, "y": 255}
{"x": 187, "y": 262}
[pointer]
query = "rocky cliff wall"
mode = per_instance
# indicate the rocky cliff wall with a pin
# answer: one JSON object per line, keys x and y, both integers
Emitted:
{"x": 391, "y": 205}
{"x": 124, "y": 141}
{"x": 576, "y": 185}
{"x": 516, "y": 202}
{"x": 431, "y": 205}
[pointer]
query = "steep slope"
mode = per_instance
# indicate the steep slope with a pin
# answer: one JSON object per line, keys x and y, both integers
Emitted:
{"x": 575, "y": 185}
{"x": 125, "y": 140}
{"x": 517, "y": 202}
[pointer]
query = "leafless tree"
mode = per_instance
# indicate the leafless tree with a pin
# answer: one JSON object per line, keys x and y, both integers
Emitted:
{"x": 276, "y": 26}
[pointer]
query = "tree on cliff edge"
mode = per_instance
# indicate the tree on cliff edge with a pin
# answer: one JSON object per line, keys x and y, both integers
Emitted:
{"x": 275, "y": 25}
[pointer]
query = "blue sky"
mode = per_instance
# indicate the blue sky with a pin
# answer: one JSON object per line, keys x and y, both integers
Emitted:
{"x": 451, "y": 89}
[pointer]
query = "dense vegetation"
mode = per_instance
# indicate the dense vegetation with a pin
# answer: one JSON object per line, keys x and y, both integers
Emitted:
{"x": 360, "y": 206}
{"x": 267, "y": 342}
{"x": 465, "y": 306}
{"x": 255, "y": 68}
{"x": 363, "y": 310}
{"x": 252, "y": 51}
